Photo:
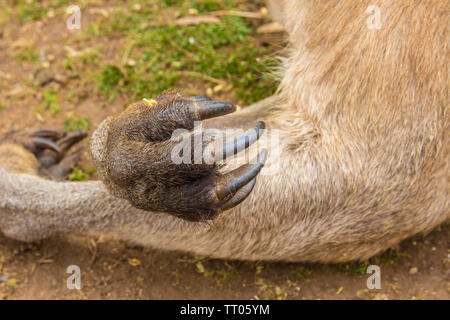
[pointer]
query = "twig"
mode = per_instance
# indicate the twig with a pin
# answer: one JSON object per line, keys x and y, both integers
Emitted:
{"x": 188, "y": 21}
{"x": 243, "y": 14}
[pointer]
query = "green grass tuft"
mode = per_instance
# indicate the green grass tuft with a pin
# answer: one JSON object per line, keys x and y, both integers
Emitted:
{"x": 33, "y": 11}
{"x": 51, "y": 102}
{"x": 78, "y": 175}
{"x": 72, "y": 123}
{"x": 162, "y": 55}
{"x": 108, "y": 80}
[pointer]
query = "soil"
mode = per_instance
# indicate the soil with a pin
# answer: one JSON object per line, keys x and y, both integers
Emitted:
{"x": 117, "y": 270}
{"x": 417, "y": 269}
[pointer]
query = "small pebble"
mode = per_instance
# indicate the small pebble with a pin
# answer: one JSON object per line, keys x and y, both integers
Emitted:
{"x": 264, "y": 11}
{"x": 51, "y": 13}
{"x": 413, "y": 270}
{"x": 134, "y": 262}
{"x": 218, "y": 88}
{"x": 193, "y": 11}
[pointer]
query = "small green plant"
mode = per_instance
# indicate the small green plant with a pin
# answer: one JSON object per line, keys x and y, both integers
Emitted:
{"x": 270, "y": 291}
{"x": 220, "y": 275}
{"x": 353, "y": 268}
{"x": 51, "y": 102}
{"x": 89, "y": 56}
{"x": 26, "y": 54}
{"x": 31, "y": 11}
{"x": 301, "y": 273}
{"x": 225, "y": 275}
{"x": 206, "y": 6}
{"x": 73, "y": 123}
{"x": 70, "y": 95}
{"x": 109, "y": 79}
{"x": 59, "y": 3}
{"x": 11, "y": 284}
{"x": 78, "y": 175}
{"x": 4, "y": 13}
{"x": 68, "y": 63}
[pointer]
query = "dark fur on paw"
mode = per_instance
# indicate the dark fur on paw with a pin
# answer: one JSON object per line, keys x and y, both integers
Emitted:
{"x": 139, "y": 162}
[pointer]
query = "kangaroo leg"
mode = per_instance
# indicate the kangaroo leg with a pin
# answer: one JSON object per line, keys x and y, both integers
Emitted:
{"x": 16, "y": 159}
{"x": 24, "y": 159}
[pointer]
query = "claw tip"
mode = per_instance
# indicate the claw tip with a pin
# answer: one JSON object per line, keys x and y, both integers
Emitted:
{"x": 262, "y": 156}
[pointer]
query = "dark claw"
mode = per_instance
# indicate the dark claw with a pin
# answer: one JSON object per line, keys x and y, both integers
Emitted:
{"x": 243, "y": 142}
{"x": 240, "y": 196}
{"x": 72, "y": 138}
{"x": 48, "y": 157}
{"x": 43, "y": 143}
{"x": 211, "y": 109}
{"x": 200, "y": 98}
{"x": 241, "y": 176}
{"x": 54, "y": 134}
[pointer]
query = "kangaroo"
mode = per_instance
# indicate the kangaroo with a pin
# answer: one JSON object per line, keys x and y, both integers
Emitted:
{"x": 362, "y": 116}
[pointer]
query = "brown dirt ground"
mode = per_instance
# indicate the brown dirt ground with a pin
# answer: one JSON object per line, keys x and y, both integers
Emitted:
{"x": 417, "y": 269}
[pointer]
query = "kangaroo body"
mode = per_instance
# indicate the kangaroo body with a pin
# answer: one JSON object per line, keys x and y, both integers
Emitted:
{"x": 363, "y": 121}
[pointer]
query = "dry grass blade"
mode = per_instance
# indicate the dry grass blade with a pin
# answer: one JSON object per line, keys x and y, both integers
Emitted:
{"x": 243, "y": 14}
{"x": 188, "y": 21}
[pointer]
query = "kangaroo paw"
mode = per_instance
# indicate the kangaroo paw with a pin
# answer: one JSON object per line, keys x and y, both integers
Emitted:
{"x": 147, "y": 164}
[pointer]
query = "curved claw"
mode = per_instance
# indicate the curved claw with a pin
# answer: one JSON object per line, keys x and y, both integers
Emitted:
{"x": 52, "y": 140}
{"x": 211, "y": 109}
{"x": 72, "y": 138}
{"x": 49, "y": 157}
{"x": 241, "y": 176}
{"x": 241, "y": 143}
{"x": 43, "y": 143}
{"x": 240, "y": 196}
{"x": 54, "y": 134}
